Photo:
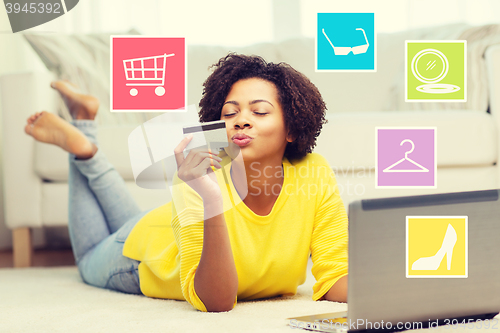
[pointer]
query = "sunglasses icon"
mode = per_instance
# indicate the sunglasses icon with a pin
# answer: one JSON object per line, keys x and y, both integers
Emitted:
{"x": 343, "y": 50}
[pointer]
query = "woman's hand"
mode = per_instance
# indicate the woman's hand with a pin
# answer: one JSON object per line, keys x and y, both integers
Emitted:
{"x": 195, "y": 169}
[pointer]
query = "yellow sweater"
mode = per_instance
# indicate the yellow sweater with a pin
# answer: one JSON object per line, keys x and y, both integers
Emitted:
{"x": 270, "y": 252}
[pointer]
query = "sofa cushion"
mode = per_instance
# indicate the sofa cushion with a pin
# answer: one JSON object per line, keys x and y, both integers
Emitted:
{"x": 463, "y": 137}
{"x": 479, "y": 39}
{"x": 83, "y": 59}
{"x": 51, "y": 162}
{"x": 361, "y": 185}
{"x": 349, "y": 91}
{"x": 347, "y": 141}
{"x": 202, "y": 57}
{"x": 55, "y": 201}
{"x": 352, "y": 186}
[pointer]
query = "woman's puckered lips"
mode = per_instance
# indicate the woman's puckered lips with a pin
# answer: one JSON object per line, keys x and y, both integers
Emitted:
{"x": 241, "y": 136}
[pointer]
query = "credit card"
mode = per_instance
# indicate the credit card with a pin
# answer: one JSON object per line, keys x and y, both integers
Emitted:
{"x": 212, "y": 134}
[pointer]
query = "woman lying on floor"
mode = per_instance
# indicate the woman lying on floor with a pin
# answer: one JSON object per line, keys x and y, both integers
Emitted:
{"x": 238, "y": 233}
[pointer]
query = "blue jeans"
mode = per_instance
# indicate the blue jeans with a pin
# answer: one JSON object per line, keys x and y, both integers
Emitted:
{"x": 102, "y": 213}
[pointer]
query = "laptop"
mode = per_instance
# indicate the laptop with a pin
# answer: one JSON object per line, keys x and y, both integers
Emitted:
{"x": 388, "y": 286}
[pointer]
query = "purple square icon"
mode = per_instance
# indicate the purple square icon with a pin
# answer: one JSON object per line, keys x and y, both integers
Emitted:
{"x": 406, "y": 157}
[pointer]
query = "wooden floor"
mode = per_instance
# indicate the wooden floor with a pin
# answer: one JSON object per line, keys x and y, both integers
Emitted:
{"x": 42, "y": 258}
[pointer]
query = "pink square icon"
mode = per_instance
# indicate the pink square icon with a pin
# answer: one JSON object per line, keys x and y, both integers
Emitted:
{"x": 406, "y": 157}
{"x": 148, "y": 74}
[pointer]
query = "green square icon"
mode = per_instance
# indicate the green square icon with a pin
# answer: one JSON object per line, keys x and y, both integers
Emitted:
{"x": 436, "y": 71}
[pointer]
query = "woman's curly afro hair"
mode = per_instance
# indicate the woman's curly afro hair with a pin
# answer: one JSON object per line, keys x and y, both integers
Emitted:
{"x": 302, "y": 104}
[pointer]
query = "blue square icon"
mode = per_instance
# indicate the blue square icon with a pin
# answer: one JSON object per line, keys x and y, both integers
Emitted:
{"x": 346, "y": 42}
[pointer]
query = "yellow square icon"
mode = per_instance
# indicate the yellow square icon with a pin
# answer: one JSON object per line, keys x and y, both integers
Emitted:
{"x": 436, "y": 247}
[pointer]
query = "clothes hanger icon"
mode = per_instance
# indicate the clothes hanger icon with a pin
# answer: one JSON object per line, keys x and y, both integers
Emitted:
{"x": 422, "y": 168}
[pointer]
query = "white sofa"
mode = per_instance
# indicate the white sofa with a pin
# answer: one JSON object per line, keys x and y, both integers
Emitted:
{"x": 35, "y": 175}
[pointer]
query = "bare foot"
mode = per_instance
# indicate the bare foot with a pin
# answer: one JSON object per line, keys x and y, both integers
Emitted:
{"x": 50, "y": 128}
{"x": 80, "y": 106}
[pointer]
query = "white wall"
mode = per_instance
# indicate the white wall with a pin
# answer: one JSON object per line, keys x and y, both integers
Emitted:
{"x": 215, "y": 22}
{"x": 400, "y": 15}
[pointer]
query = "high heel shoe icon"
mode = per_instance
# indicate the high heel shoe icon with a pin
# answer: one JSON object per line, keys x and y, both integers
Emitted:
{"x": 432, "y": 263}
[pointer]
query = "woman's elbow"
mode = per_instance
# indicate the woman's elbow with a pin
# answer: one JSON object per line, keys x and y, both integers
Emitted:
{"x": 338, "y": 292}
{"x": 220, "y": 307}
{"x": 217, "y": 298}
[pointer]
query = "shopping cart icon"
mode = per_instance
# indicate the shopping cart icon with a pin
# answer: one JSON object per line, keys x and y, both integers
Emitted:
{"x": 146, "y": 71}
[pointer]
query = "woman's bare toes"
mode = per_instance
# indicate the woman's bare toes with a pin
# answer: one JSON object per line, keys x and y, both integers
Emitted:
{"x": 80, "y": 105}
{"x": 33, "y": 117}
{"x": 28, "y": 129}
{"x": 50, "y": 128}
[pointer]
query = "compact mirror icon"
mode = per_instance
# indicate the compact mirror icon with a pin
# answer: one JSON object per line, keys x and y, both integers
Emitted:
{"x": 428, "y": 59}
{"x": 343, "y": 50}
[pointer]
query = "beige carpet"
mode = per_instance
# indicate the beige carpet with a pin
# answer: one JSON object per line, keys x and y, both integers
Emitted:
{"x": 56, "y": 300}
